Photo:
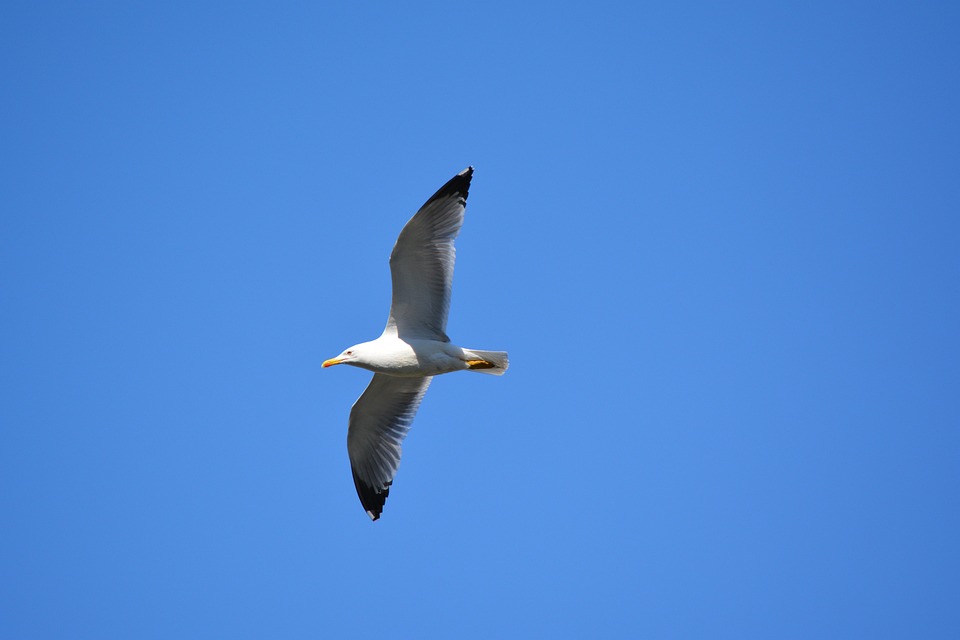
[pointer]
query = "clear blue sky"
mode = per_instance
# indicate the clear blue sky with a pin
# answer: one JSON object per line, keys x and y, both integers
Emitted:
{"x": 720, "y": 241}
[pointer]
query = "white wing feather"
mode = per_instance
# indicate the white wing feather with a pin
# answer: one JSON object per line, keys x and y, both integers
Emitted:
{"x": 379, "y": 421}
{"x": 421, "y": 264}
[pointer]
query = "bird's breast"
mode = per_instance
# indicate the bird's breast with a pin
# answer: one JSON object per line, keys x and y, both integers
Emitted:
{"x": 417, "y": 358}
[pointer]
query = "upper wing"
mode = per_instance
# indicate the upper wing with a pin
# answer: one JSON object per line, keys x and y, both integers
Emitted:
{"x": 379, "y": 421}
{"x": 422, "y": 263}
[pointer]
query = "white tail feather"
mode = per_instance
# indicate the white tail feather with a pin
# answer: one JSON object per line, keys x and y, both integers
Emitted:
{"x": 498, "y": 359}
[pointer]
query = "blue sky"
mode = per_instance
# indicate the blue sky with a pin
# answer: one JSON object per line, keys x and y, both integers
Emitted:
{"x": 720, "y": 242}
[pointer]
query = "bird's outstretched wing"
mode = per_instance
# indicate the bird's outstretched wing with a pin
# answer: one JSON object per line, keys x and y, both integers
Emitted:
{"x": 379, "y": 421}
{"x": 422, "y": 264}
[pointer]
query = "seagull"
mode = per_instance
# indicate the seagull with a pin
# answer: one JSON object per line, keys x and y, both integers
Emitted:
{"x": 413, "y": 347}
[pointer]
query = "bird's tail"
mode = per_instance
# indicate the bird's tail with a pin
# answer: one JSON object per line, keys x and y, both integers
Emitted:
{"x": 493, "y": 362}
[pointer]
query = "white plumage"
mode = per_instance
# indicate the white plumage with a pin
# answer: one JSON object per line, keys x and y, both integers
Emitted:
{"x": 413, "y": 346}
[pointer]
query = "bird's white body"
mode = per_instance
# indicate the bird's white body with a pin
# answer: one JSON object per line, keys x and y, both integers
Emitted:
{"x": 414, "y": 358}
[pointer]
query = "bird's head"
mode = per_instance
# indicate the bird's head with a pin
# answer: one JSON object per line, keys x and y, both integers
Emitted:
{"x": 349, "y": 356}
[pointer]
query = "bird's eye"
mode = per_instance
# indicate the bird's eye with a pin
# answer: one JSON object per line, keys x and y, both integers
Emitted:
{"x": 350, "y": 352}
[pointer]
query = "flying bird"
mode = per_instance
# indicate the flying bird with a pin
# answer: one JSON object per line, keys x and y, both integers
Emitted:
{"x": 413, "y": 347}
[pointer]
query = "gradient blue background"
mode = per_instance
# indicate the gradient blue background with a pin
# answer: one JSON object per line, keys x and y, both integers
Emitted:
{"x": 720, "y": 241}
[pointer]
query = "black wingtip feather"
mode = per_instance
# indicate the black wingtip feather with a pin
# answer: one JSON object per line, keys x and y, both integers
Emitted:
{"x": 457, "y": 185}
{"x": 371, "y": 499}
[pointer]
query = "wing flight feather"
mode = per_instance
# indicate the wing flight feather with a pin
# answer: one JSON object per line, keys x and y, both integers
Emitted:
{"x": 379, "y": 421}
{"x": 421, "y": 264}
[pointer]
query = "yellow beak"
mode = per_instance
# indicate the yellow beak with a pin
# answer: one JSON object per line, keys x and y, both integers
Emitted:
{"x": 331, "y": 362}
